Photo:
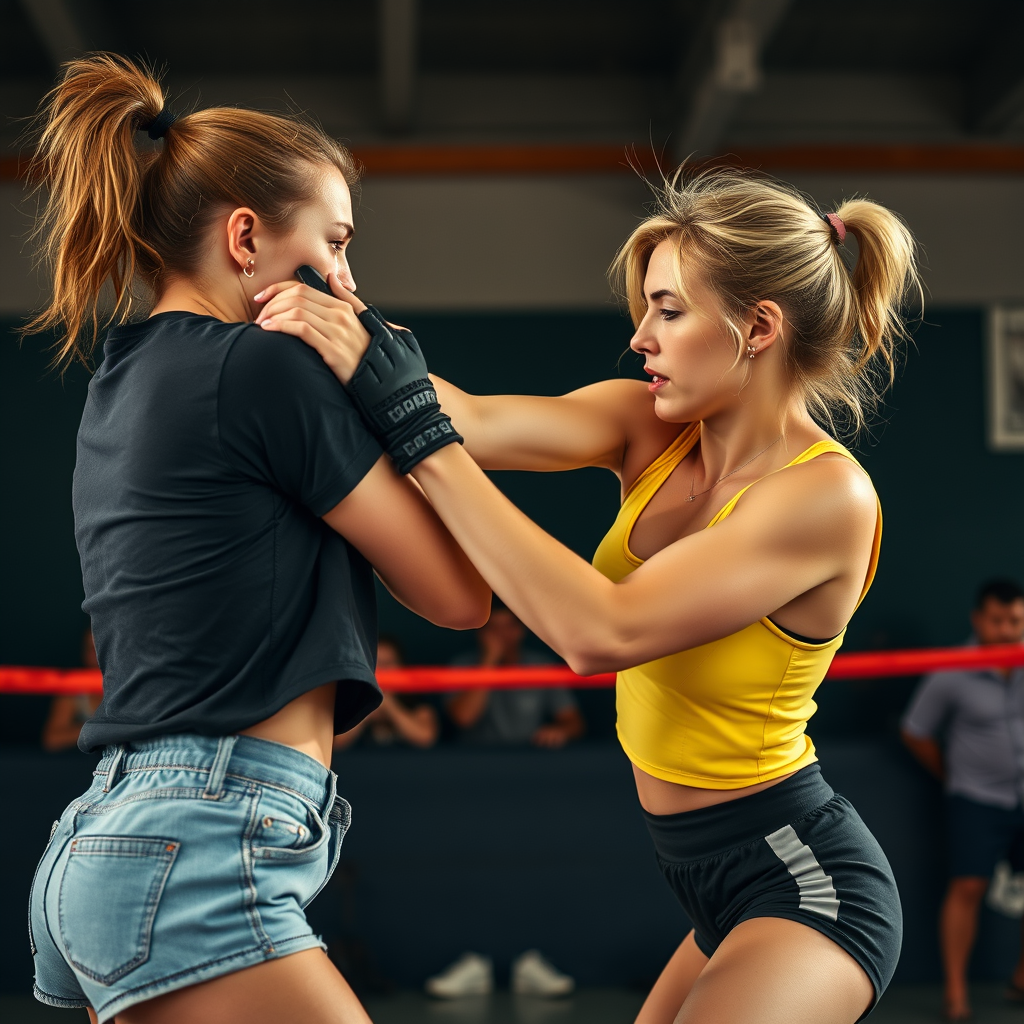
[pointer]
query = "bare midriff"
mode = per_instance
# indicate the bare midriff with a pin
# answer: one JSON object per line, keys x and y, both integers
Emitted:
{"x": 657, "y": 796}
{"x": 306, "y": 723}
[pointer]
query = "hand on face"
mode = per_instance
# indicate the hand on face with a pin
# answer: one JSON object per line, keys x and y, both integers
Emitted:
{"x": 327, "y": 323}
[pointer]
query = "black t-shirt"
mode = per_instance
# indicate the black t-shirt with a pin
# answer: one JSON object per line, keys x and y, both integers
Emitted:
{"x": 206, "y": 456}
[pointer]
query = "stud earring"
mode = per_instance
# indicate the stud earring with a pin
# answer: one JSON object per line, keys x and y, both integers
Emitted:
{"x": 250, "y": 268}
{"x": 751, "y": 351}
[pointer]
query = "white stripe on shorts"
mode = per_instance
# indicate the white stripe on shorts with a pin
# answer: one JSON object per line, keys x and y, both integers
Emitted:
{"x": 817, "y": 893}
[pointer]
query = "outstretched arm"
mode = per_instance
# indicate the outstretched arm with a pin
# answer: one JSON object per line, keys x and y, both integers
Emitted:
{"x": 589, "y": 427}
{"x": 800, "y": 529}
{"x": 779, "y": 543}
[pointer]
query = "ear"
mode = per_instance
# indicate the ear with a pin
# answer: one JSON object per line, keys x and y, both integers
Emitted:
{"x": 244, "y": 231}
{"x": 765, "y": 327}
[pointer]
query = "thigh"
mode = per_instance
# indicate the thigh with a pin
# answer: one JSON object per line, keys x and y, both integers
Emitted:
{"x": 673, "y": 985}
{"x": 301, "y": 987}
{"x": 777, "y": 971}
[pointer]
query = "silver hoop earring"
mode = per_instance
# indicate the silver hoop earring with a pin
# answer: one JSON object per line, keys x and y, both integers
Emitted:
{"x": 249, "y": 269}
{"x": 751, "y": 351}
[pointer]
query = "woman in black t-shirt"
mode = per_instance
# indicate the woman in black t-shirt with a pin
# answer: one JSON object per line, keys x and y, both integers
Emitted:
{"x": 230, "y": 509}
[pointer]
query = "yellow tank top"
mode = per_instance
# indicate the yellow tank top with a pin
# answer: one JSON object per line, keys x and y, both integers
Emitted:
{"x": 730, "y": 713}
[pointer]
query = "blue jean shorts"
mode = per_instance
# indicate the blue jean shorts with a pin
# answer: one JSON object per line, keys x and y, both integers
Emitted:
{"x": 189, "y": 857}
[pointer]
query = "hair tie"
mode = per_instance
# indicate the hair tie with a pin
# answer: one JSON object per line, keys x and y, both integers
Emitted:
{"x": 835, "y": 222}
{"x": 157, "y": 128}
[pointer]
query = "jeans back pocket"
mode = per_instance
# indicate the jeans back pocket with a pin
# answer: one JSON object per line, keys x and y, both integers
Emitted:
{"x": 109, "y": 895}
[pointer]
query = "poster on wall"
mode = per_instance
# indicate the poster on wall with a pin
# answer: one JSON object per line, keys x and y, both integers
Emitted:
{"x": 1006, "y": 378}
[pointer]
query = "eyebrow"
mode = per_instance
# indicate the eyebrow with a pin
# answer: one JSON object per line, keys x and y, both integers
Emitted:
{"x": 347, "y": 230}
{"x": 661, "y": 293}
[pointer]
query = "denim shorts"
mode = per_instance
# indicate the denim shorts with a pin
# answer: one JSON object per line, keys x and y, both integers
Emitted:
{"x": 797, "y": 851}
{"x": 189, "y": 857}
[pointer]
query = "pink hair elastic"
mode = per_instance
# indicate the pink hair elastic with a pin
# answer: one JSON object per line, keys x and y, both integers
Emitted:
{"x": 835, "y": 222}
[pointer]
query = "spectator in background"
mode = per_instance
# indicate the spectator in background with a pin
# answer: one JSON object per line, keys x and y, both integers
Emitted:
{"x": 70, "y": 712}
{"x": 980, "y": 714}
{"x": 547, "y": 717}
{"x": 397, "y": 719}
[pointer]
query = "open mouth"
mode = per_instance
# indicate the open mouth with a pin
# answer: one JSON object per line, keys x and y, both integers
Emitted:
{"x": 657, "y": 381}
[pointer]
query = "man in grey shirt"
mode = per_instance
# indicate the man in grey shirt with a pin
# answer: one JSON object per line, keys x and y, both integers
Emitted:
{"x": 545, "y": 717}
{"x": 980, "y": 717}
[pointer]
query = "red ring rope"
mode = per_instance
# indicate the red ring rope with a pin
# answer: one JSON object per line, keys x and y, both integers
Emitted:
{"x": 430, "y": 679}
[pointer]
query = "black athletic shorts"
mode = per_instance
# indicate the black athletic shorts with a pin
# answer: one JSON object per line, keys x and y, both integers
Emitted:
{"x": 795, "y": 850}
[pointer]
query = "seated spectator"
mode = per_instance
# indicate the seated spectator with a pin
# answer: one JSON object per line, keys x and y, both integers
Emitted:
{"x": 545, "y": 717}
{"x": 398, "y": 719}
{"x": 965, "y": 727}
{"x": 68, "y": 713}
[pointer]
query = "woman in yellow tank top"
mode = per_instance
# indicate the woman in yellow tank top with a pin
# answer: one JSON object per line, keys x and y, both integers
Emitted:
{"x": 746, "y": 539}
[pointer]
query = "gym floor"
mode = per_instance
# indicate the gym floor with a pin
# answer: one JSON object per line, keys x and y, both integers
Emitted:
{"x": 905, "y": 1004}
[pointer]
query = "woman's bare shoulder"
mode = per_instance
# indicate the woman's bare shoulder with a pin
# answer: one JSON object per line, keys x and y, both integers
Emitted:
{"x": 829, "y": 496}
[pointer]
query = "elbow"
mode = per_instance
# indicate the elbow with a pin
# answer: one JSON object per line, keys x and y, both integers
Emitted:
{"x": 469, "y": 610}
{"x": 591, "y": 659}
{"x": 585, "y": 665}
{"x": 604, "y": 648}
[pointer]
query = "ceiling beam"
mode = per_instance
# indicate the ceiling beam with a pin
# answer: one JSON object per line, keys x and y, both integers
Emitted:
{"x": 403, "y": 160}
{"x": 398, "y": 36}
{"x": 59, "y": 32}
{"x": 994, "y": 94}
{"x": 722, "y": 65}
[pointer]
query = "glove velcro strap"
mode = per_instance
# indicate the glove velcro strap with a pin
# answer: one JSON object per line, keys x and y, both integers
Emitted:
{"x": 424, "y": 438}
{"x": 397, "y": 410}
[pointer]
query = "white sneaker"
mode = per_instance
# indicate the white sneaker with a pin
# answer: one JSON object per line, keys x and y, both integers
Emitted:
{"x": 470, "y": 975}
{"x": 532, "y": 975}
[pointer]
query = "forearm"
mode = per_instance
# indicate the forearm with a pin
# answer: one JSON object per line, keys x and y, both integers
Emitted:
{"x": 61, "y": 736}
{"x": 571, "y": 721}
{"x": 391, "y": 522}
{"x": 490, "y": 425}
{"x": 561, "y": 598}
{"x": 462, "y": 407}
{"x": 466, "y": 709}
{"x": 418, "y": 726}
{"x": 443, "y": 587}
{"x": 928, "y": 752}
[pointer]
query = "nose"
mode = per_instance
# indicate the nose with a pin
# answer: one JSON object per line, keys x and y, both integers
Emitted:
{"x": 643, "y": 339}
{"x": 344, "y": 272}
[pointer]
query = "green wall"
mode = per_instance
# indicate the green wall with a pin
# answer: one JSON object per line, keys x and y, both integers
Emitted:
{"x": 952, "y": 507}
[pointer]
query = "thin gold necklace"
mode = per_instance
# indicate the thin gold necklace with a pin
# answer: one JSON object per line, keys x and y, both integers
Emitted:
{"x": 727, "y": 475}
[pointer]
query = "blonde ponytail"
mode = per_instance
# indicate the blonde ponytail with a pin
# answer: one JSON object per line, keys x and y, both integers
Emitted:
{"x": 119, "y": 215}
{"x": 87, "y": 159}
{"x": 884, "y": 274}
{"x": 752, "y": 238}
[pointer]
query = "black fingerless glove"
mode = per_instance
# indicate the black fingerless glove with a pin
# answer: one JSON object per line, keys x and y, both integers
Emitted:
{"x": 391, "y": 390}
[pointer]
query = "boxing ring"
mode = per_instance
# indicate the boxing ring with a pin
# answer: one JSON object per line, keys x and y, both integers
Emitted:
{"x": 440, "y": 679}
{"x": 508, "y": 848}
